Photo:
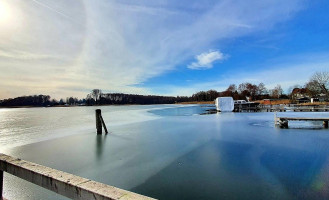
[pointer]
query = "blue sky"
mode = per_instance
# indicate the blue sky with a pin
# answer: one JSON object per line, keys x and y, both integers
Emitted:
{"x": 67, "y": 47}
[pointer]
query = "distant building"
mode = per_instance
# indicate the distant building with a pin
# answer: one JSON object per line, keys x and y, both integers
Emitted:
{"x": 300, "y": 93}
{"x": 319, "y": 98}
{"x": 303, "y": 100}
{"x": 268, "y": 101}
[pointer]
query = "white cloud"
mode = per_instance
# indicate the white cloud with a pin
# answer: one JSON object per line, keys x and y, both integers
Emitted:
{"x": 206, "y": 60}
{"x": 294, "y": 70}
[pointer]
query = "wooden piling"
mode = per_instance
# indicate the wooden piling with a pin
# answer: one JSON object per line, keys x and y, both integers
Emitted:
{"x": 1, "y": 184}
{"x": 106, "y": 132}
{"x": 325, "y": 124}
{"x": 100, "y": 122}
{"x": 98, "y": 113}
{"x": 283, "y": 123}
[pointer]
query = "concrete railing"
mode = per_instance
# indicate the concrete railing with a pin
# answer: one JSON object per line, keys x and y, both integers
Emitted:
{"x": 63, "y": 183}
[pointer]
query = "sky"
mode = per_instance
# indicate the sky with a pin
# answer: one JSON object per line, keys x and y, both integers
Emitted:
{"x": 69, "y": 47}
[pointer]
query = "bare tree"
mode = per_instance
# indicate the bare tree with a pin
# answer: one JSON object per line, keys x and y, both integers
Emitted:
{"x": 229, "y": 91}
{"x": 277, "y": 91}
{"x": 261, "y": 89}
{"x": 231, "y": 88}
{"x": 319, "y": 83}
{"x": 96, "y": 94}
{"x": 242, "y": 87}
{"x": 313, "y": 88}
{"x": 248, "y": 89}
{"x": 212, "y": 95}
{"x": 252, "y": 89}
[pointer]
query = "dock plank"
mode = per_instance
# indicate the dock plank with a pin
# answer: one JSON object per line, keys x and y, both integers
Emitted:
{"x": 303, "y": 119}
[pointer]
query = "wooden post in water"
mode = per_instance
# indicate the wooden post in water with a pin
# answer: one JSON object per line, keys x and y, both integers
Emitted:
{"x": 325, "y": 124}
{"x": 283, "y": 123}
{"x": 1, "y": 184}
{"x": 106, "y": 132}
{"x": 98, "y": 121}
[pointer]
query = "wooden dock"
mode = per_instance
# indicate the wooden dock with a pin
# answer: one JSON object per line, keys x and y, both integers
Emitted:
{"x": 312, "y": 109}
{"x": 283, "y": 121}
{"x": 256, "y": 107}
{"x": 293, "y": 108}
{"x": 246, "y": 107}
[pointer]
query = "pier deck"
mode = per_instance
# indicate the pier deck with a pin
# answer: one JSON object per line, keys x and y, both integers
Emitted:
{"x": 283, "y": 121}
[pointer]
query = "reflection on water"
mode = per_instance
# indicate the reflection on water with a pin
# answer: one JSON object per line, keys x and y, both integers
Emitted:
{"x": 180, "y": 155}
{"x": 100, "y": 142}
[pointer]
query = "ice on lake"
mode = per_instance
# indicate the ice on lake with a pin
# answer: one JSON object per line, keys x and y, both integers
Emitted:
{"x": 171, "y": 152}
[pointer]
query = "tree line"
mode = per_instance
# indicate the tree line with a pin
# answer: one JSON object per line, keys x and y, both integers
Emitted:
{"x": 40, "y": 100}
{"x": 96, "y": 97}
{"x": 244, "y": 91}
{"x": 35, "y": 100}
{"x": 317, "y": 85}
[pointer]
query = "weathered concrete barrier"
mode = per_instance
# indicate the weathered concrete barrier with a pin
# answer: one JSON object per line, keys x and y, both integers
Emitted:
{"x": 63, "y": 183}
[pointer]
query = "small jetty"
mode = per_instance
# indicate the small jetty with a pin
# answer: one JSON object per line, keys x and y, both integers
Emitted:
{"x": 256, "y": 107}
{"x": 310, "y": 109}
{"x": 283, "y": 121}
{"x": 294, "y": 108}
{"x": 246, "y": 107}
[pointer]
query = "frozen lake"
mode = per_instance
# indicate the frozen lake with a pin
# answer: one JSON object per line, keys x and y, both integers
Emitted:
{"x": 171, "y": 152}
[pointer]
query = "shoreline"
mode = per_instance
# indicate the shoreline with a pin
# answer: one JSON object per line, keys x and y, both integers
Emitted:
{"x": 63, "y": 106}
{"x": 180, "y": 103}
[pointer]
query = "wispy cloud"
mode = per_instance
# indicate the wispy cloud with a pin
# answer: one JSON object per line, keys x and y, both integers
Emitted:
{"x": 206, "y": 60}
{"x": 21, "y": 55}
{"x": 115, "y": 45}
